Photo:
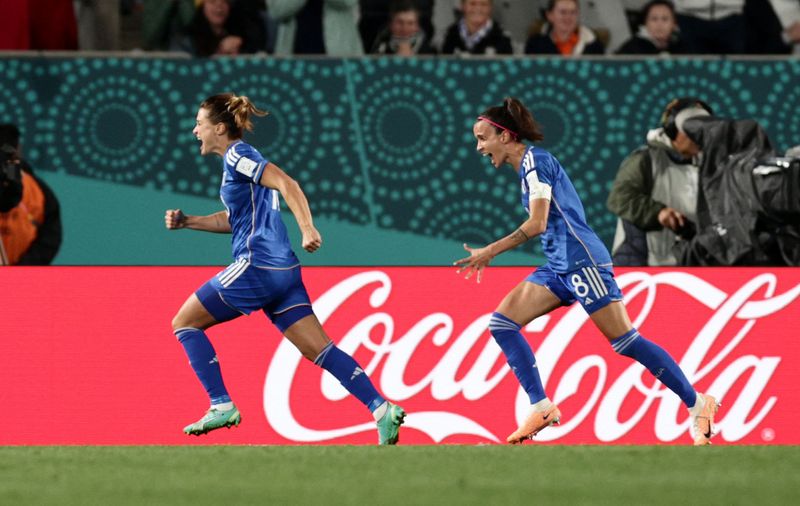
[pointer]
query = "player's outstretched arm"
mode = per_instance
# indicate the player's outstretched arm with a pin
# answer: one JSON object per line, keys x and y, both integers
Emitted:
{"x": 274, "y": 177}
{"x": 479, "y": 258}
{"x": 217, "y": 222}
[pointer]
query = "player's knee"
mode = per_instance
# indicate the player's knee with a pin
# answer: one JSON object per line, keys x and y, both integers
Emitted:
{"x": 179, "y": 321}
{"x": 499, "y": 324}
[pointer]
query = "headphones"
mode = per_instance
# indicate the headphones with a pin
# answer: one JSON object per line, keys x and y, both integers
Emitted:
{"x": 676, "y": 106}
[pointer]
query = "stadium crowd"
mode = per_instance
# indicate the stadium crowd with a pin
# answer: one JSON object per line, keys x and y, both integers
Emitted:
{"x": 405, "y": 27}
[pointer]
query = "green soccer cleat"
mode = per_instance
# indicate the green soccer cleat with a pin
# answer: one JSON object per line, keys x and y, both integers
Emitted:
{"x": 212, "y": 420}
{"x": 389, "y": 425}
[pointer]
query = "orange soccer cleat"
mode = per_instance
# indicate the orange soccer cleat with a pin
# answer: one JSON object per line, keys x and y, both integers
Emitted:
{"x": 535, "y": 422}
{"x": 703, "y": 424}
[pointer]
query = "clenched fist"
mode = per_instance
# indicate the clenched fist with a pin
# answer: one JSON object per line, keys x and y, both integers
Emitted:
{"x": 174, "y": 218}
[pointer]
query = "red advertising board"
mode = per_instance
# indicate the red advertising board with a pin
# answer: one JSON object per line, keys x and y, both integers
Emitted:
{"x": 88, "y": 357}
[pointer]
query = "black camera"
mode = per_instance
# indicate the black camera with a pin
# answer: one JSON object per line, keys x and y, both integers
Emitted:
{"x": 10, "y": 179}
{"x": 687, "y": 231}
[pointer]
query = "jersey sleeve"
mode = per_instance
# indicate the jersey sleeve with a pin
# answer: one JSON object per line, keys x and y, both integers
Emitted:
{"x": 539, "y": 177}
{"x": 244, "y": 163}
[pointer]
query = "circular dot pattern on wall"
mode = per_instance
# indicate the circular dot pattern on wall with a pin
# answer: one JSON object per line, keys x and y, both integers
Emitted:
{"x": 384, "y": 142}
{"x": 111, "y": 120}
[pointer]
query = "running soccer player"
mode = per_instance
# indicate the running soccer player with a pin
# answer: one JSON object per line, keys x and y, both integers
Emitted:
{"x": 578, "y": 268}
{"x": 265, "y": 274}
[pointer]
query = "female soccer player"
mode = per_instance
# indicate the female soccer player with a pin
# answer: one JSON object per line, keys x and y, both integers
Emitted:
{"x": 265, "y": 273}
{"x": 578, "y": 268}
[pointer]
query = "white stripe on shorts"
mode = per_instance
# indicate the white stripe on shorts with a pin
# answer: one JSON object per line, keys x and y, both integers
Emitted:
{"x": 596, "y": 282}
{"x": 227, "y": 278}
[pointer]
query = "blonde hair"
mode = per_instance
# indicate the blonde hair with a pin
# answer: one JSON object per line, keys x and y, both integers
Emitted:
{"x": 233, "y": 111}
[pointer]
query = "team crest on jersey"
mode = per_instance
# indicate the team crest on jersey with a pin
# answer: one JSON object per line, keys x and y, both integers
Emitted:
{"x": 246, "y": 166}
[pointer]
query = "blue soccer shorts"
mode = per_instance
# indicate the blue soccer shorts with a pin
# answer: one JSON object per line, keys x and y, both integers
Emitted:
{"x": 242, "y": 288}
{"x": 594, "y": 287}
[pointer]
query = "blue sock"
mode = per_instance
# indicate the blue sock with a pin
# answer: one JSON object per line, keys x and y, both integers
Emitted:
{"x": 658, "y": 362}
{"x": 518, "y": 354}
{"x": 204, "y": 361}
{"x": 350, "y": 375}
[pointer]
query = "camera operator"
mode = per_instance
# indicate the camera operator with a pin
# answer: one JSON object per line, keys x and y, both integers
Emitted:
{"x": 748, "y": 210}
{"x": 30, "y": 221}
{"x": 655, "y": 197}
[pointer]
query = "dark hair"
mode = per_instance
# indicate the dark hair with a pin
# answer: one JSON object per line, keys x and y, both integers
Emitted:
{"x": 203, "y": 39}
{"x": 645, "y": 11}
{"x": 232, "y": 111}
{"x": 676, "y": 106}
{"x": 10, "y": 178}
{"x": 398, "y": 6}
{"x": 552, "y": 4}
{"x": 9, "y": 134}
{"x": 516, "y": 118}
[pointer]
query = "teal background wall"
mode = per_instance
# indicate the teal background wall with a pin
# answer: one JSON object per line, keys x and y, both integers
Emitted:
{"x": 382, "y": 147}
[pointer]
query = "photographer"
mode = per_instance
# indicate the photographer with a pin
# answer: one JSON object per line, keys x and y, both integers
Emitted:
{"x": 30, "y": 221}
{"x": 655, "y": 197}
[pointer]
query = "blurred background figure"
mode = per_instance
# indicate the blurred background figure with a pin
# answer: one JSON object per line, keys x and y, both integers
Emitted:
{"x": 476, "y": 32}
{"x": 748, "y": 212}
{"x": 373, "y": 16}
{"x": 98, "y": 24}
{"x": 403, "y": 36}
{"x": 773, "y": 26}
{"x": 163, "y": 21}
{"x": 222, "y": 27}
{"x": 712, "y": 26}
{"x": 30, "y": 217}
{"x": 516, "y": 17}
{"x": 46, "y": 25}
{"x": 658, "y": 31}
{"x": 654, "y": 196}
{"x": 563, "y": 34}
{"x": 610, "y": 20}
{"x": 316, "y": 27}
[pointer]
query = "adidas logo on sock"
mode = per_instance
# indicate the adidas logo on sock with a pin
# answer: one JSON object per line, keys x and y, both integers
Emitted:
{"x": 356, "y": 372}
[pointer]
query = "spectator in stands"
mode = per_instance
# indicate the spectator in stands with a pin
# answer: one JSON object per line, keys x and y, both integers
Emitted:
{"x": 773, "y": 26}
{"x": 30, "y": 219}
{"x": 46, "y": 25}
{"x": 316, "y": 27}
{"x": 219, "y": 28}
{"x": 657, "y": 33}
{"x": 563, "y": 34}
{"x": 98, "y": 24}
{"x": 403, "y": 36}
{"x": 373, "y": 16}
{"x": 712, "y": 26}
{"x": 163, "y": 22}
{"x": 655, "y": 197}
{"x": 609, "y": 20}
{"x": 476, "y": 32}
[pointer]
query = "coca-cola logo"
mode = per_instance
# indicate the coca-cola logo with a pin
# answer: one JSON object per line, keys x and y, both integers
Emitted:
{"x": 713, "y": 357}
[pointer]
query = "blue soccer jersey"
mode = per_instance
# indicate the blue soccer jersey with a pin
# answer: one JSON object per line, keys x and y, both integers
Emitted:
{"x": 568, "y": 241}
{"x": 254, "y": 212}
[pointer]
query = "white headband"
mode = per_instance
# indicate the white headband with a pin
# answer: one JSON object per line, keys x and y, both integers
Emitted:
{"x": 689, "y": 112}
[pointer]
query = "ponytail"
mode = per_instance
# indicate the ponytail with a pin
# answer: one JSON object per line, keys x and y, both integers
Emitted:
{"x": 233, "y": 111}
{"x": 515, "y": 118}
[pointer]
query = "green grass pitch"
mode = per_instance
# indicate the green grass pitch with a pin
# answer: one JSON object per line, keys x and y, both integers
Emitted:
{"x": 402, "y": 475}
